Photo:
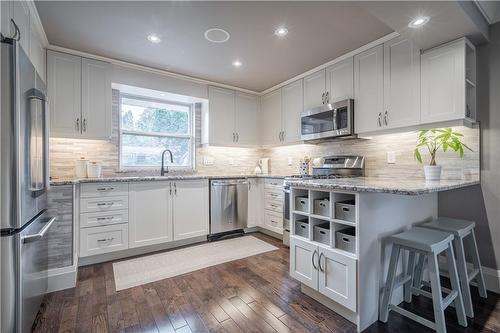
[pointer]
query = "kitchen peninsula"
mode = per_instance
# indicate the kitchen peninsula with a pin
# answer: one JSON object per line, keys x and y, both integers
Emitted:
{"x": 339, "y": 254}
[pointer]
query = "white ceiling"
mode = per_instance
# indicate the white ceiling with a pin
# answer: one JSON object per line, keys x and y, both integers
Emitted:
{"x": 490, "y": 9}
{"x": 318, "y": 32}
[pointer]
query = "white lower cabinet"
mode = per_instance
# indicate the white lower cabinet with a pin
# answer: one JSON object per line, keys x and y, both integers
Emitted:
{"x": 255, "y": 202}
{"x": 99, "y": 240}
{"x": 190, "y": 208}
{"x": 327, "y": 271}
{"x": 150, "y": 210}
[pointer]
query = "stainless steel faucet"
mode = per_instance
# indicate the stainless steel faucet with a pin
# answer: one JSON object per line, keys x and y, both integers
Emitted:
{"x": 162, "y": 171}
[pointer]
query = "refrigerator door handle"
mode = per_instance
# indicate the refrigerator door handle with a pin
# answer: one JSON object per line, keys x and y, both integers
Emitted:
{"x": 41, "y": 234}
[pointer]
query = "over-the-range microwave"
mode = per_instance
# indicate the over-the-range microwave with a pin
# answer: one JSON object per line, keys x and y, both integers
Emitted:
{"x": 328, "y": 121}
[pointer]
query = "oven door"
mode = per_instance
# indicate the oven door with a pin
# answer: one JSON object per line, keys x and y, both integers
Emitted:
{"x": 318, "y": 123}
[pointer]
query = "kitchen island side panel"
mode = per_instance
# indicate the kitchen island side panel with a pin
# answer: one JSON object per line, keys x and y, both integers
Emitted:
{"x": 382, "y": 215}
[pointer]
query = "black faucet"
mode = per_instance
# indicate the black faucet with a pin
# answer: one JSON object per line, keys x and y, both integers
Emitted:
{"x": 162, "y": 171}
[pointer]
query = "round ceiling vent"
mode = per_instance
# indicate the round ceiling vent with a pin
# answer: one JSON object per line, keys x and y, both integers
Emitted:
{"x": 217, "y": 35}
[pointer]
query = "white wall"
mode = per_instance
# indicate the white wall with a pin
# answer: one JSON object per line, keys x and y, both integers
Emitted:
{"x": 482, "y": 203}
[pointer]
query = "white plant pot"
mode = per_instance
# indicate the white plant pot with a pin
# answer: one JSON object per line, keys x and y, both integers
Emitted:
{"x": 432, "y": 172}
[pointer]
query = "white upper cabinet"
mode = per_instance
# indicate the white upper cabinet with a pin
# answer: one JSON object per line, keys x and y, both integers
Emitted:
{"x": 233, "y": 118}
{"x": 314, "y": 89}
{"x": 369, "y": 90}
{"x": 339, "y": 80}
{"x": 96, "y": 99}
{"x": 21, "y": 17}
{"x": 448, "y": 82}
{"x": 64, "y": 91}
{"x": 271, "y": 130}
{"x": 246, "y": 119}
{"x": 292, "y": 106}
{"x": 80, "y": 95}
{"x": 190, "y": 208}
{"x": 221, "y": 116}
{"x": 150, "y": 213}
{"x": 401, "y": 83}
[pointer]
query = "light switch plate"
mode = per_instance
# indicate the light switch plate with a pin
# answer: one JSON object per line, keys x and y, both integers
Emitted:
{"x": 391, "y": 157}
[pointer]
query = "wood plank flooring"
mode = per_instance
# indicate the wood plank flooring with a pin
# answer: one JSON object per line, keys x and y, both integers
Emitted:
{"x": 253, "y": 294}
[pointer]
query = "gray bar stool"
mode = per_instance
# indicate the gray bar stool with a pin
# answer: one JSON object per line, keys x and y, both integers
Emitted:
{"x": 427, "y": 243}
{"x": 463, "y": 232}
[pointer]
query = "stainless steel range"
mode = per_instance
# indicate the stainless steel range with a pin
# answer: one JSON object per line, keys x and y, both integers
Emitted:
{"x": 332, "y": 167}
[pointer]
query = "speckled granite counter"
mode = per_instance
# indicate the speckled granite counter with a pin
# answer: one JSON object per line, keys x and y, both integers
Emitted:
{"x": 384, "y": 185}
{"x": 57, "y": 182}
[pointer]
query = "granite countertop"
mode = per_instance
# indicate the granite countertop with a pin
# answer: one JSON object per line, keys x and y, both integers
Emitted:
{"x": 72, "y": 181}
{"x": 384, "y": 185}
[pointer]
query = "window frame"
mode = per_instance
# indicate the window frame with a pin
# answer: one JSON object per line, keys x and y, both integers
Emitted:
{"x": 191, "y": 136}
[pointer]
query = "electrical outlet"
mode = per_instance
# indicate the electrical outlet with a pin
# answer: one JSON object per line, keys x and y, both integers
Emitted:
{"x": 290, "y": 161}
{"x": 208, "y": 160}
{"x": 391, "y": 157}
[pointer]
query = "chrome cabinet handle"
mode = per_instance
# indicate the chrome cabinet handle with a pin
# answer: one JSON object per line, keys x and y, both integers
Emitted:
{"x": 84, "y": 125}
{"x": 105, "y": 204}
{"x": 104, "y": 189}
{"x": 170, "y": 188}
{"x": 175, "y": 188}
{"x": 237, "y": 137}
{"x": 108, "y": 218}
{"x": 379, "y": 119}
{"x": 327, "y": 97}
{"x": 385, "y": 117}
{"x": 78, "y": 124}
{"x": 106, "y": 239}
{"x": 319, "y": 262}
{"x": 323, "y": 98}
{"x": 313, "y": 263}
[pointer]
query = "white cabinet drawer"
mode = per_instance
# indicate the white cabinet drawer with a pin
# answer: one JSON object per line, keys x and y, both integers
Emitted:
{"x": 274, "y": 184}
{"x": 99, "y": 190}
{"x": 273, "y": 194}
{"x": 105, "y": 218}
{"x": 91, "y": 205}
{"x": 273, "y": 221}
{"x": 274, "y": 205}
{"x": 99, "y": 240}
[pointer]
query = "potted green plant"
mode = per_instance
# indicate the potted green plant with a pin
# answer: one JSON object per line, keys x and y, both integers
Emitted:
{"x": 435, "y": 140}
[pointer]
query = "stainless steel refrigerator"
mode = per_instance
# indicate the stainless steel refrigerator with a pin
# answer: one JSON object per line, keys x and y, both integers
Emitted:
{"x": 24, "y": 182}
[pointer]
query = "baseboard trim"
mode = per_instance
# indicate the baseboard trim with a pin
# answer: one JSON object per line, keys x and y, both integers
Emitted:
{"x": 332, "y": 305}
{"x": 62, "y": 278}
{"x": 270, "y": 233}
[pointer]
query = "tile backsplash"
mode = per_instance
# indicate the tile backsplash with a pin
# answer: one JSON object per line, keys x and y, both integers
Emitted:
{"x": 235, "y": 161}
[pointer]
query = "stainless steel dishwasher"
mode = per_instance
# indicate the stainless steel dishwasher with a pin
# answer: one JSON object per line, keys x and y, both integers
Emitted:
{"x": 228, "y": 207}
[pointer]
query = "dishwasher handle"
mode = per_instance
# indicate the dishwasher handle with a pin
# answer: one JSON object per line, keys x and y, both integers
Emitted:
{"x": 229, "y": 182}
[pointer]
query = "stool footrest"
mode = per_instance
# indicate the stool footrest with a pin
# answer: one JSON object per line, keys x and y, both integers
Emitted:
{"x": 418, "y": 291}
{"x": 413, "y": 316}
{"x": 401, "y": 279}
{"x": 473, "y": 274}
{"x": 450, "y": 298}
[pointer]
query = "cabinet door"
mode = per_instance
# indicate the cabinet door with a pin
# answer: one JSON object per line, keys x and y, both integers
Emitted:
{"x": 96, "y": 99}
{"x": 21, "y": 15}
{"x": 369, "y": 89}
{"x": 314, "y": 89}
{"x": 271, "y": 118}
{"x": 150, "y": 213}
{"x": 190, "y": 208}
{"x": 246, "y": 118}
{"x": 338, "y": 279}
{"x": 255, "y": 202}
{"x": 37, "y": 53}
{"x": 339, "y": 80}
{"x": 443, "y": 83}
{"x": 221, "y": 116}
{"x": 293, "y": 101}
{"x": 401, "y": 83}
{"x": 64, "y": 90}
{"x": 302, "y": 268}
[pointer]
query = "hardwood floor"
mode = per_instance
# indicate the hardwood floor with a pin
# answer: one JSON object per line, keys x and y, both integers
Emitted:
{"x": 253, "y": 294}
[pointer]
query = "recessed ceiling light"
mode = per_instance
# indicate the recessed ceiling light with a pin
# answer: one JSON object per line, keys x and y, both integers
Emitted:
{"x": 280, "y": 32}
{"x": 237, "y": 63}
{"x": 217, "y": 35}
{"x": 154, "y": 38}
{"x": 419, "y": 21}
